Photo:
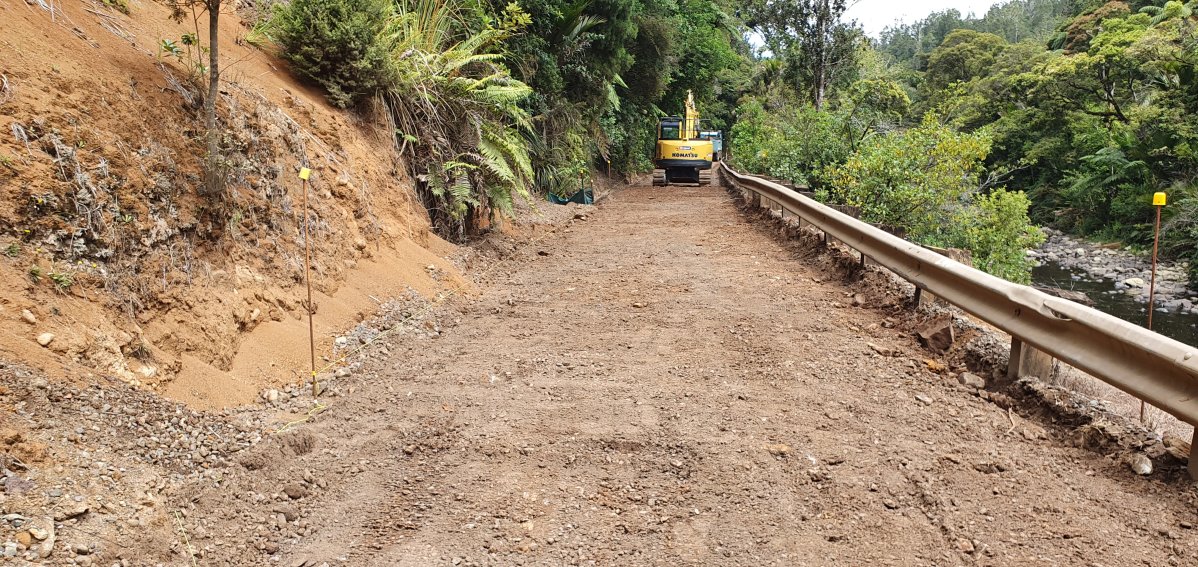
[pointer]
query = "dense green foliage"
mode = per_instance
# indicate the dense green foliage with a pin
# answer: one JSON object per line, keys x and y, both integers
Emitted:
{"x": 925, "y": 181}
{"x": 1085, "y": 107}
{"x": 495, "y": 98}
{"x": 911, "y": 45}
{"x": 1091, "y": 115}
{"x": 794, "y": 142}
{"x": 895, "y": 133}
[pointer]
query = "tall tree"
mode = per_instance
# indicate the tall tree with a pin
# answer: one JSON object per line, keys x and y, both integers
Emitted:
{"x": 811, "y": 34}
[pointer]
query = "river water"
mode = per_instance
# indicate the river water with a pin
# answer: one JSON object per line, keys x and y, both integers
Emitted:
{"x": 1178, "y": 326}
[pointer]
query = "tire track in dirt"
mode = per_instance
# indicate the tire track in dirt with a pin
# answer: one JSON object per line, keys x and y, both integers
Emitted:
{"x": 671, "y": 385}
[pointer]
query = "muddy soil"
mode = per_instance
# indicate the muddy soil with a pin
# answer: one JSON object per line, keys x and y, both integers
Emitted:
{"x": 669, "y": 384}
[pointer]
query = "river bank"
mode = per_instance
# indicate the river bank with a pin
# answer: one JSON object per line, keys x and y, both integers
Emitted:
{"x": 1116, "y": 280}
{"x": 1128, "y": 271}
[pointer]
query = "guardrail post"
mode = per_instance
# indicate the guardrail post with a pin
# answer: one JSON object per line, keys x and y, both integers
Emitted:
{"x": 754, "y": 199}
{"x": 1027, "y": 360}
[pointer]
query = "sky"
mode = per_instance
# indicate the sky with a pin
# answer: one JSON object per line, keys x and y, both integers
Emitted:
{"x": 873, "y": 15}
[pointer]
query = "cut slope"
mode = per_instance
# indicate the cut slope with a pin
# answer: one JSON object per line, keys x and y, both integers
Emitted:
{"x": 107, "y": 244}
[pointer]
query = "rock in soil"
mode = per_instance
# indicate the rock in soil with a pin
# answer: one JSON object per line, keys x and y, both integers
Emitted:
{"x": 937, "y": 335}
{"x": 972, "y": 380}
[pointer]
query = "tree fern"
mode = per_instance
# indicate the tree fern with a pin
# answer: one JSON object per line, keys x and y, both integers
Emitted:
{"x": 454, "y": 94}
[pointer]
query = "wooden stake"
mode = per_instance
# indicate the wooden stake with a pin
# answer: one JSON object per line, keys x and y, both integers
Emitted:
{"x": 1158, "y": 200}
{"x": 304, "y": 173}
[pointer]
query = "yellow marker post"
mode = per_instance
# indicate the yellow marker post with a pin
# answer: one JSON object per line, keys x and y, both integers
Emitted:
{"x": 304, "y": 174}
{"x": 1158, "y": 201}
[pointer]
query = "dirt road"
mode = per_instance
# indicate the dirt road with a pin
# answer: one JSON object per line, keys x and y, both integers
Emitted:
{"x": 669, "y": 384}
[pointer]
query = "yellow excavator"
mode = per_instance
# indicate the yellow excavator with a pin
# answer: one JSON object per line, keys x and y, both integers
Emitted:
{"x": 682, "y": 154}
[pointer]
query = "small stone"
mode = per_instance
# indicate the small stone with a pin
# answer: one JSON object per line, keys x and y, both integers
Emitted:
{"x": 972, "y": 380}
{"x": 24, "y": 539}
{"x": 992, "y": 467}
{"x": 82, "y": 549}
{"x": 272, "y": 395}
{"x": 638, "y": 305}
{"x": 290, "y": 513}
{"x": 858, "y": 300}
{"x": 295, "y": 491}
{"x": 925, "y": 399}
{"x": 964, "y": 545}
{"x": 71, "y": 513}
{"x": 28, "y": 317}
{"x": 778, "y": 449}
{"x": 1033, "y": 432}
{"x": 45, "y": 338}
{"x": 46, "y": 547}
{"x": 891, "y": 504}
{"x": 1140, "y": 464}
{"x": 342, "y": 373}
{"x": 884, "y": 351}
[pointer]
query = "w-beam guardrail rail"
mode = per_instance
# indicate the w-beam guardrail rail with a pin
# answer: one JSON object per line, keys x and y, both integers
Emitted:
{"x": 1155, "y": 368}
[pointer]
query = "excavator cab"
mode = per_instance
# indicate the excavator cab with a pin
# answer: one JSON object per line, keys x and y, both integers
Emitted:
{"x": 682, "y": 156}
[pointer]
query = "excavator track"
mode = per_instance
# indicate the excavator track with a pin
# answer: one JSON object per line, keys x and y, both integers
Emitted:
{"x": 704, "y": 177}
{"x": 659, "y": 178}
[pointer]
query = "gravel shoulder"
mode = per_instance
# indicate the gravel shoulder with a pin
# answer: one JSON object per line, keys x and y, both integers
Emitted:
{"x": 669, "y": 384}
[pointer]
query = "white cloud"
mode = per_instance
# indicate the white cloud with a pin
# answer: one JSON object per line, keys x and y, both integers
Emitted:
{"x": 873, "y": 15}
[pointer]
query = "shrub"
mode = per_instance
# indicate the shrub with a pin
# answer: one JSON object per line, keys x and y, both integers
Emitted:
{"x": 912, "y": 179}
{"x": 337, "y": 44}
{"x": 790, "y": 144}
{"x": 925, "y": 180}
{"x": 998, "y": 232}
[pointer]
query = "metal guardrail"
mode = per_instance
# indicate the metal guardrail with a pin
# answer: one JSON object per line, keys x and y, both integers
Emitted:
{"x": 1153, "y": 367}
